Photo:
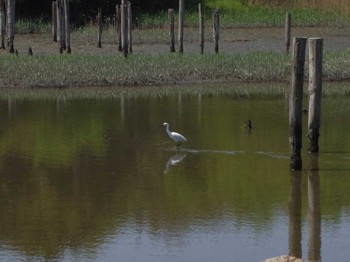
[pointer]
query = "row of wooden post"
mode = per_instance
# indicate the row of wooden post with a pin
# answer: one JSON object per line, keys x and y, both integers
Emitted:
{"x": 296, "y": 97}
{"x": 124, "y": 27}
{"x": 171, "y": 16}
{"x": 61, "y": 24}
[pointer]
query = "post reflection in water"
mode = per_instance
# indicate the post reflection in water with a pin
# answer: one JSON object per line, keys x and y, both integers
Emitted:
{"x": 295, "y": 215}
{"x": 314, "y": 213}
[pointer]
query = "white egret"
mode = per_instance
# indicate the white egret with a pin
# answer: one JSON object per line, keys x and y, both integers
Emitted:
{"x": 178, "y": 138}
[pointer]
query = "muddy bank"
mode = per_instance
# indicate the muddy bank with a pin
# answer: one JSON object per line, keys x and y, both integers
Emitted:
{"x": 232, "y": 40}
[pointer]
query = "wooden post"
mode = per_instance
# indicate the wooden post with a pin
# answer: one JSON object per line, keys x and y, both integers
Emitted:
{"x": 129, "y": 26}
{"x": 295, "y": 102}
{"x": 315, "y": 92}
{"x": 99, "y": 28}
{"x": 181, "y": 25}
{"x": 287, "y": 31}
{"x": 2, "y": 23}
{"x": 201, "y": 27}
{"x": 60, "y": 26}
{"x": 58, "y": 16}
{"x": 11, "y": 24}
{"x": 119, "y": 34}
{"x": 67, "y": 25}
{"x": 171, "y": 17}
{"x": 216, "y": 30}
{"x": 124, "y": 27}
{"x": 54, "y": 21}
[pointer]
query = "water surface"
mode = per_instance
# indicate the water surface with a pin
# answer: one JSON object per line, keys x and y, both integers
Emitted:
{"x": 97, "y": 179}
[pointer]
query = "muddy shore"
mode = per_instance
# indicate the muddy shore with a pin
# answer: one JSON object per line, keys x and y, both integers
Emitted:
{"x": 232, "y": 40}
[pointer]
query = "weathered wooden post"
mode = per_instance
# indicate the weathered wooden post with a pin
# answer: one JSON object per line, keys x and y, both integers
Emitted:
{"x": 124, "y": 27}
{"x": 58, "y": 16}
{"x": 315, "y": 92}
{"x": 216, "y": 30}
{"x": 287, "y": 31}
{"x": 60, "y": 26}
{"x": 295, "y": 102}
{"x": 181, "y": 25}
{"x": 67, "y": 25}
{"x": 117, "y": 21}
{"x": 2, "y": 23}
{"x": 11, "y": 24}
{"x": 201, "y": 27}
{"x": 99, "y": 28}
{"x": 54, "y": 21}
{"x": 129, "y": 26}
{"x": 171, "y": 17}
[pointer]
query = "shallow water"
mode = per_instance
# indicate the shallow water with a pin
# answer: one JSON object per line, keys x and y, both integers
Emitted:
{"x": 99, "y": 180}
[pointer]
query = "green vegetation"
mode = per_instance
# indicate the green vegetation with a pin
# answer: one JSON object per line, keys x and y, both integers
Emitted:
{"x": 87, "y": 70}
{"x": 102, "y": 70}
{"x": 242, "y": 16}
{"x": 25, "y": 26}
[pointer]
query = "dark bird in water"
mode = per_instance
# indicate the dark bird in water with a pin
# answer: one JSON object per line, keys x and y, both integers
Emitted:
{"x": 248, "y": 124}
{"x": 30, "y": 51}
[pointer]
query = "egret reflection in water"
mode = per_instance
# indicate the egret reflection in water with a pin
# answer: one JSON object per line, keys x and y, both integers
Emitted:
{"x": 174, "y": 160}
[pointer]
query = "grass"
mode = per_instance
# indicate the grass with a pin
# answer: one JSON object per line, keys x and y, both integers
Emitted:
{"x": 28, "y": 26}
{"x": 103, "y": 70}
{"x": 85, "y": 70}
{"x": 251, "y": 16}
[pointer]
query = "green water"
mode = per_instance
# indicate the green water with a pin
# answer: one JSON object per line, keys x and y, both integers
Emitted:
{"x": 97, "y": 179}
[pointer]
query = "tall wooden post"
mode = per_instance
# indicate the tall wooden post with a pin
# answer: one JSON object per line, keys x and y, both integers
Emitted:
{"x": 315, "y": 92}
{"x": 216, "y": 30}
{"x": 287, "y": 31}
{"x": 171, "y": 17}
{"x": 2, "y": 23}
{"x": 61, "y": 26}
{"x": 58, "y": 16}
{"x": 118, "y": 21}
{"x": 11, "y": 24}
{"x": 99, "y": 28}
{"x": 67, "y": 25}
{"x": 129, "y": 26}
{"x": 124, "y": 27}
{"x": 54, "y": 21}
{"x": 201, "y": 27}
{"x": 295, "y": 102}
{"x": 181, "y": 25}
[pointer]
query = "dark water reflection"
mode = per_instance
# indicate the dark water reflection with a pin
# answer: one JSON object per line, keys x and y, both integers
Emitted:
{"x": 97, "y": 179}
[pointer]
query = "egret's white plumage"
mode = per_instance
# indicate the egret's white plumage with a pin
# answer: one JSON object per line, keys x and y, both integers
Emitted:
{"x": 178, "y": 138}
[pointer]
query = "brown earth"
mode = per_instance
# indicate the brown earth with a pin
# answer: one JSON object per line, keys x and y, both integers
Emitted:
{"x": 232, "y": 40}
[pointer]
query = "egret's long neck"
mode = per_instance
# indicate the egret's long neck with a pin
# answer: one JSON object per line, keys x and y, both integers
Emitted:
{"x": 168, "y": 131}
